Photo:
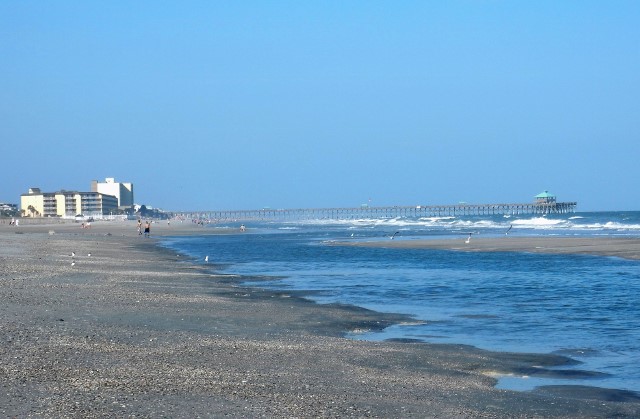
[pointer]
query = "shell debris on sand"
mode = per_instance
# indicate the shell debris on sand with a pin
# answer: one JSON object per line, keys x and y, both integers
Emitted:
{"x": 141, "y": 335}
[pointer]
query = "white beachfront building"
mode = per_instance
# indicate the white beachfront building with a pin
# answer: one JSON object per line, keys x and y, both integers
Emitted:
{"x": 122, "y": 191}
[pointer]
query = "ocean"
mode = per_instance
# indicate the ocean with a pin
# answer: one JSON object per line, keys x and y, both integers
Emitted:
{"x": 584, "y": 307}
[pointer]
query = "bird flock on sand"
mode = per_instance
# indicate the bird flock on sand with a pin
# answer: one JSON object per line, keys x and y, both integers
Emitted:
{"x": 73, "y": 258}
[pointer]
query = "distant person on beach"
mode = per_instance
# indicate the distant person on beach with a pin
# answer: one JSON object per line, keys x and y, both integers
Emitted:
{"x": 147, "y": 229}
{"x": 139, "y": 227}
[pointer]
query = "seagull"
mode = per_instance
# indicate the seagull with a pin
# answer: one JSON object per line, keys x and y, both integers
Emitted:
{"x": 73, "y": 263}
{"x": 88, "y": 254}
{"x": 509, "y": 229}
{"x": 468, "y": 239}
{"x": 206, "y": 258}
{"x": 394, "y": 235}
{"x": 73, "y": 253}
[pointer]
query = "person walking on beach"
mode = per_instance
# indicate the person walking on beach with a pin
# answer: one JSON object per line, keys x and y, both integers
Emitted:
{"x": 139, "y": 227}
{"x": 147, "y": 229}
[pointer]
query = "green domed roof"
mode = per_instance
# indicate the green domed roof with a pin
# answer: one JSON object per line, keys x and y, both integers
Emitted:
{"x": 545, "y": 194}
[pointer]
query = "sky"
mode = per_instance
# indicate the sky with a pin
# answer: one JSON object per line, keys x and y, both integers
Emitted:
{"x": 207, "y": 105}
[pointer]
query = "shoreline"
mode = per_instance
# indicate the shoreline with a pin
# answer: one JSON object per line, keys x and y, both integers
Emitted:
{"x": 622, "y": 247}
{"x": 134, "y": 329}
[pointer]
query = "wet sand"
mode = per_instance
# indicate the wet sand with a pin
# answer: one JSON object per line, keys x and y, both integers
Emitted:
{"x": 136, "y": 330}
{"x": 623, "y": 247}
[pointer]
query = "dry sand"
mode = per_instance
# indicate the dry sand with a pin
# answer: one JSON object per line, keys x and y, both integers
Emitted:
{"x": 135, "y": 330}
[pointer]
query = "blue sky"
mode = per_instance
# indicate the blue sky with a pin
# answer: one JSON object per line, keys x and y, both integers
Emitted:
{"x": 243, "y": 105}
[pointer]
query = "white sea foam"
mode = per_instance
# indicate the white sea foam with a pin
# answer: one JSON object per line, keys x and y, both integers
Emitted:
{"x": 484, "y": 223}
{"x": 541, "y": 223}
{"x": 610, "y": 225}
{"x": 538, "y": 221}
{"x": 436, "y": 219}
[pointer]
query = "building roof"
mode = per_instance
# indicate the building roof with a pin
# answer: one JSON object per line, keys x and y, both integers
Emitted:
{"x": 545, "y": 194}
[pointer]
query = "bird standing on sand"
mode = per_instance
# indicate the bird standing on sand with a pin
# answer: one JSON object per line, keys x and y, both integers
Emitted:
{"x": 468, "y": 239}
{"x": 394, "y": 235}
{"x": 88, "y": 254}
{"x": 73, "y": 254}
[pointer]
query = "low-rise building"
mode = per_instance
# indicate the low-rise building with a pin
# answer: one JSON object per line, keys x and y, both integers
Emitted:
{"x": 8, "y": 207}
{"x": 8, "y": 210}
{"x": 36, "y": 203}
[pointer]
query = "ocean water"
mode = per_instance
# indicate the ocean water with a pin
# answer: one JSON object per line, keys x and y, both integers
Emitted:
{"x": 585, "y": 307}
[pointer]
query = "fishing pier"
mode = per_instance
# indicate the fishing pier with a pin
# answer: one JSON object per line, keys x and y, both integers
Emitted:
{"x": 543, "y": 205}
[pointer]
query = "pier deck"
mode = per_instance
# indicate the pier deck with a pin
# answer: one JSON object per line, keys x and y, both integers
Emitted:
{"x": 364, "y": 212}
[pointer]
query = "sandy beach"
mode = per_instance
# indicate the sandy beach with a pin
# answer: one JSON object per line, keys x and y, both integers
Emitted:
{"x": 132, "y": 329}
{"x": 623, "y": 247}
